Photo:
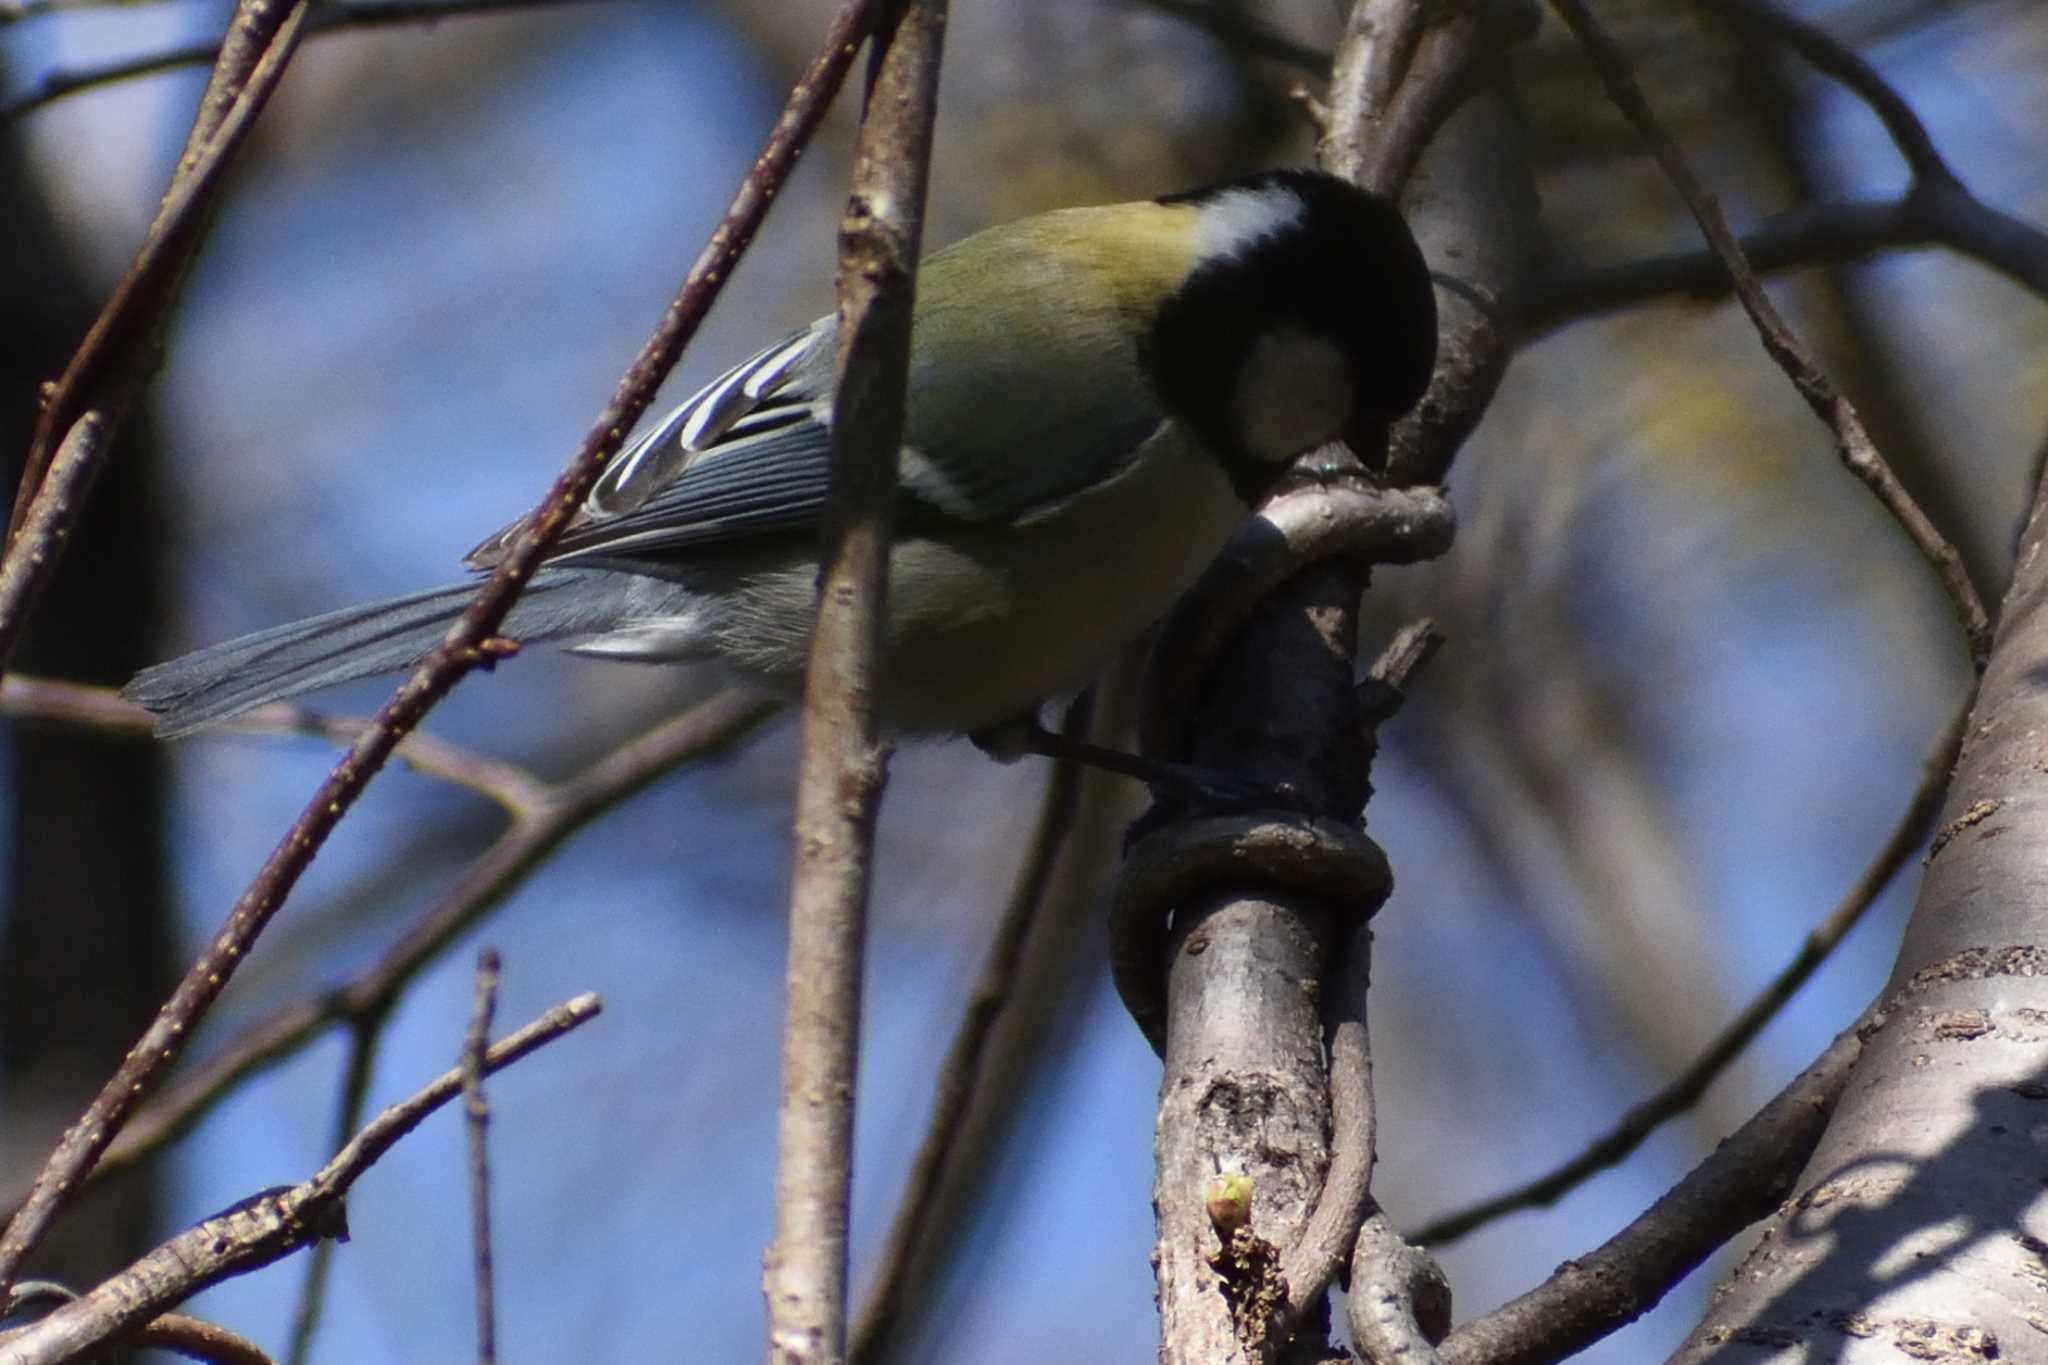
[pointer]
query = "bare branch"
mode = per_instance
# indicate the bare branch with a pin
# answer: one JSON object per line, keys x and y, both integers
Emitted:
{"x": 52, "y": 512}
{"x": 201, "y": 1340}
{"x": 843, "y": 762}
{"x": 348, "y": 1116}
{"x": 960, "y": 1074}
{"x": 1907, "y": 837}
{"x": 264, "y": 1227}
{"x": 477, "y": 1117}
{"x": 1858, "y": 452}
{"x": 464, "y": 648}
{"x": 1743, "y": 1180}
{"x": 1330, "y": 1233}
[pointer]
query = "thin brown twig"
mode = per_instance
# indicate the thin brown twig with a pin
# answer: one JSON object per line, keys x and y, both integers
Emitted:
{"x": 710, "y": 728}
{"x": 1329, "y": 1235}
{"x": 200, "y": 1340}
{"x": 1745, "y": 1178}
{"x": 52, "y": 512}
{"x": 348, "y": 1116}
{"x": 264, "y": 1227}
{"x": 843, "y": 762}
{"x": 476, "y": 1114}
{"x": 462, "y": 650}
{"x": 961, "y": 1072}
{"x": 1854, "y": 445}
{"x": 1907, "y": 836}
{"x": 54, "y": 85}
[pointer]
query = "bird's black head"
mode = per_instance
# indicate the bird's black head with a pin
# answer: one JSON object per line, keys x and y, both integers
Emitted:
{"x": 1309, "y": 316}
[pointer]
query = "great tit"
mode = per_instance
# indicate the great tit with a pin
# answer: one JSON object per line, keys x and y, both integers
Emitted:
{"x": 1097, "y": 398}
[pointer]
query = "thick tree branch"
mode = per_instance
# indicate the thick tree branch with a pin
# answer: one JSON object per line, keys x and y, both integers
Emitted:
{"x": 840, "y": 776}
{"x": 1253, "y": 899}
{"x": 1919, "y": 1218}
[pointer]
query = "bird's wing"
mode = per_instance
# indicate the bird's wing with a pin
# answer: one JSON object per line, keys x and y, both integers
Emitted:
{"x": 747, "y": 454}
{"x": 1042, "y": 398}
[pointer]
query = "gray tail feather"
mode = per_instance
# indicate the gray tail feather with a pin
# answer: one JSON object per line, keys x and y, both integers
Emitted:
{"x": 224, "y": 680}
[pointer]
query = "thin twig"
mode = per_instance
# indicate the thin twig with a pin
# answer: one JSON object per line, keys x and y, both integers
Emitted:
{"x": 261, "y": 1229}
{"x": 706, "y": 730}
{"x": 348, "y": 1116}
{"x": 1626, "y": 1276}
{"x": 54, "y": 85}
{"x": 1330, "y": 1234}
{"x": 961, "y": 1072}
{"x": 843, "y": 762}
{"x": 200, "y": 1340}
{"x": 52, "y": 512}
{"x": 1907, "y": 837}
{"x": 1852, "y": 442}
{"x": 462, "y": 649}
{"x": 477, "y": 1117}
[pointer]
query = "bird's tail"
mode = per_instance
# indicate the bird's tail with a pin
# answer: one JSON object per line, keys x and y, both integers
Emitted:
{"x": 224, "y": 680}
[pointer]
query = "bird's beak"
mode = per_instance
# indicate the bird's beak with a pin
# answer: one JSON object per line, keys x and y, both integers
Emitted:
{"x": 1367, "y": 436}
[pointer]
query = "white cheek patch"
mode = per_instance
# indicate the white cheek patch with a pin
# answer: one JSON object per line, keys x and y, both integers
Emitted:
{"x": 1293, "y": 393}
{"x": 1235, "y": 219}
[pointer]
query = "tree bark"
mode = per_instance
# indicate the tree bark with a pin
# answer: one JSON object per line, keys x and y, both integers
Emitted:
{"x": 1920, "y": 1227}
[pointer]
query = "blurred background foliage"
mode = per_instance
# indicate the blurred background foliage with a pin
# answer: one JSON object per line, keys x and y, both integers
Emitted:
{"x": 1691, "y": 669}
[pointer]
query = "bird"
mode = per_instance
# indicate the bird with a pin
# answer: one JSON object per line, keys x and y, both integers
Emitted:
{"x": 1098, "y": 397}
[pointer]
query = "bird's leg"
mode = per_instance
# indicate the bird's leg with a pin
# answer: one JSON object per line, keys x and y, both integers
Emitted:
{"x": 1209, "y": 787}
